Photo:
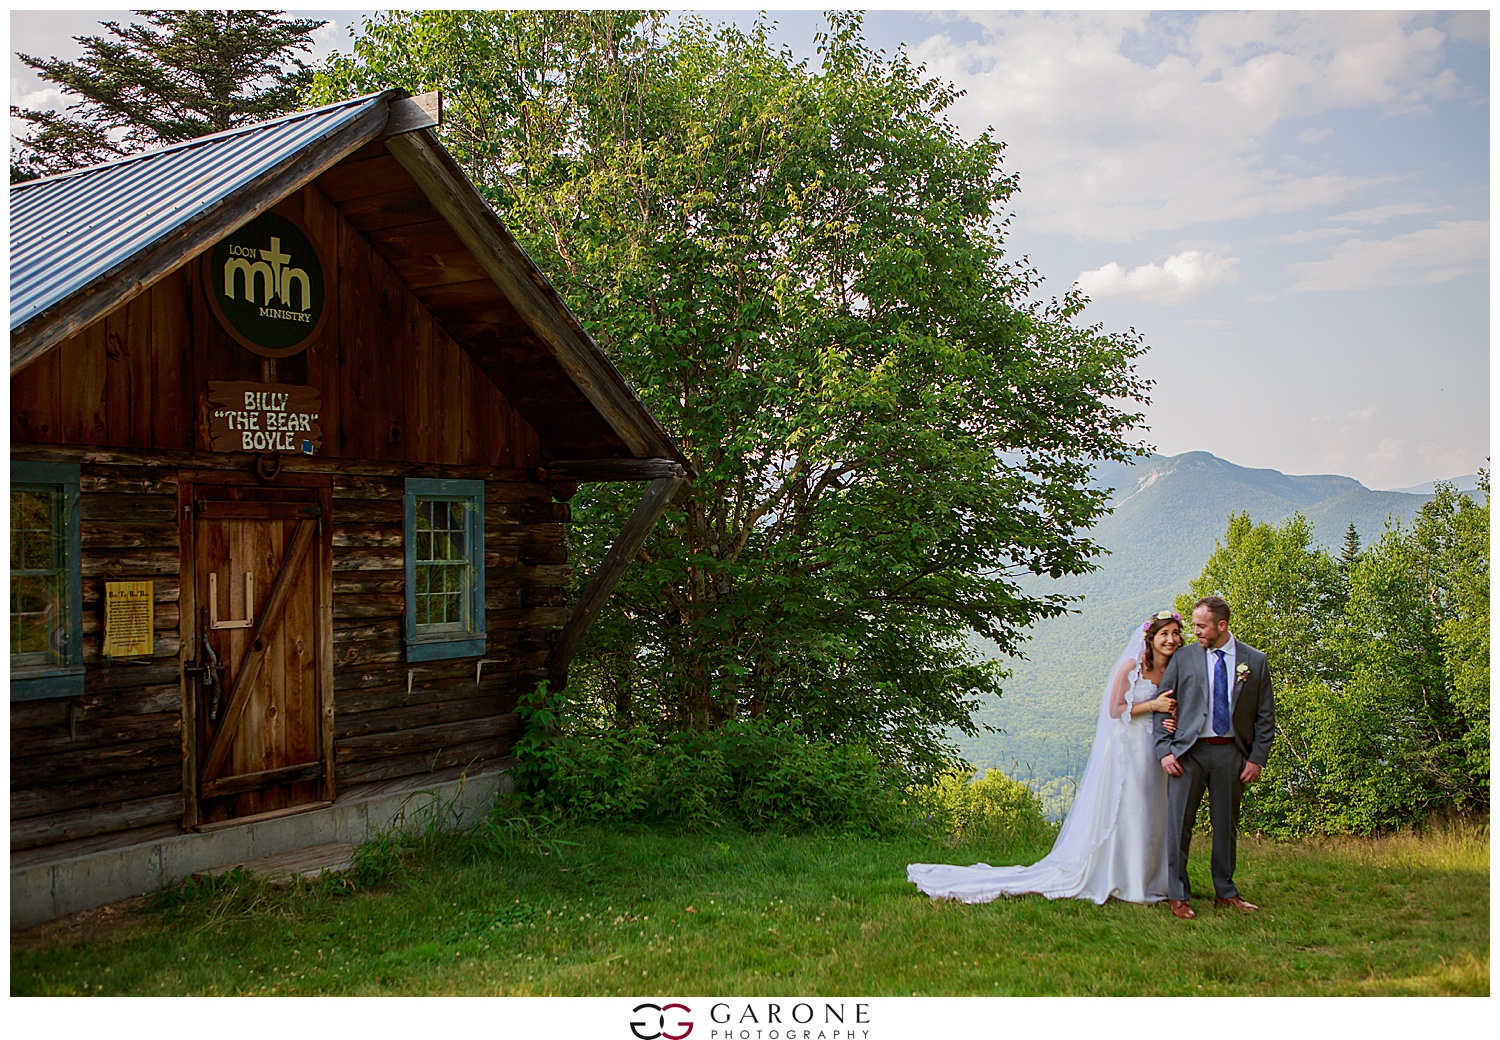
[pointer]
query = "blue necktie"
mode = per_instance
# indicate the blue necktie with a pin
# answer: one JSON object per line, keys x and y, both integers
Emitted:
{"x": 1221, "y": 696}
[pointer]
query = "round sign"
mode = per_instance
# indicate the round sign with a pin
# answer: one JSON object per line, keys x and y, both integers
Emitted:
{"x": 265, "y": 284}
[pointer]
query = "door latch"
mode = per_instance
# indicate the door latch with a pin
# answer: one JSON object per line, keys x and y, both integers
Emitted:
{"x": 209, "y": 672}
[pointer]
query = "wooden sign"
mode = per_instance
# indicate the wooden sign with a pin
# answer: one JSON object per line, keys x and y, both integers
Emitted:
{"x": 264, "y": 417}
{"x": 265, "y": 284}
{"x": 129, "y": 614}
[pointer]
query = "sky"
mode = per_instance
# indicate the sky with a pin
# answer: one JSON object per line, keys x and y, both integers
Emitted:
{"x": 1292, "y": 208}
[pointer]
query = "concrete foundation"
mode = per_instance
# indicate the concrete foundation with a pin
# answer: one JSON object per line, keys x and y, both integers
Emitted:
{"x": 42, "y": 891}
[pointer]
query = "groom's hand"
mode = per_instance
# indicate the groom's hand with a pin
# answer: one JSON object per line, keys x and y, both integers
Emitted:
{"x": 1250, "y": 773}
{"x": 1174, "y": 768}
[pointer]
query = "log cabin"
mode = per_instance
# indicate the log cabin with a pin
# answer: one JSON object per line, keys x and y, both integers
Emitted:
{"x": 294, "y": 427}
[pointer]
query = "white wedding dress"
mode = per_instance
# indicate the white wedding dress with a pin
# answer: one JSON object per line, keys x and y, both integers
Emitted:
{"x": 1113, "y": 842}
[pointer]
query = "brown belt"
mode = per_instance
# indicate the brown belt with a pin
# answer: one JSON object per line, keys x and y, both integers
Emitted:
{"x": 1216, "y": 740}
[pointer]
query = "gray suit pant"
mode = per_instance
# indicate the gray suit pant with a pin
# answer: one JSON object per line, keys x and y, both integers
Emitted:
{"x": 1216, "y": 768}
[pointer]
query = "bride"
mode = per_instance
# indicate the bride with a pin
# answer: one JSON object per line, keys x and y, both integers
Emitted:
{"x": 1113, "y": 842}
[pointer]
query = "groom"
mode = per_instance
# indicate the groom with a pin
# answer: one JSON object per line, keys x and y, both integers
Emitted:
{"x": 1225, "y": 720}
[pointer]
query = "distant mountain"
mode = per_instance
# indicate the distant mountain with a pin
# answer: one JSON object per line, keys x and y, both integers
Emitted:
{"x": 1467, "y": 482}
{"x": 1169, "y": 512}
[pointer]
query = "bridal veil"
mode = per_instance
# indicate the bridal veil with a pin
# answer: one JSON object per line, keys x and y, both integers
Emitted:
{"x": 1111, "y": 840}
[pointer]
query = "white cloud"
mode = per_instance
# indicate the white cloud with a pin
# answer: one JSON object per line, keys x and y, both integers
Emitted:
{"x": 1396, "y": 460}
{"x": 1469, "y": 26}
{"x": 1127, "y": 124}
{"x": 1427, "y": 257}
{"x": 1380, "y": 214}
{"x": 1312, "y": 135}
{"x": 1297, "y": 238}
{"x": 333, "y": 35}
{"x": 1344, "y": 445}
{"x": 1176, "y": 280}
{"x": 1340, "y": 445}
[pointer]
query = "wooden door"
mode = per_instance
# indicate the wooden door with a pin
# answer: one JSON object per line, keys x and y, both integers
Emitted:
{"x": 259, "y": 684}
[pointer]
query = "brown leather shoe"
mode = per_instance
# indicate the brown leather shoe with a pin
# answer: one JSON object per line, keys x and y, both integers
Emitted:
{"x": 1180, "y": 908}
{"x": 1237, "y": 903}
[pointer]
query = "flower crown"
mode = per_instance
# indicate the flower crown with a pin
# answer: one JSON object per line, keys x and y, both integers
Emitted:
{"x": 1161, "y": 615}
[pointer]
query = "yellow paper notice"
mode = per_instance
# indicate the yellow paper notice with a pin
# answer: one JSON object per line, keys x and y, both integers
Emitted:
{"x": 129, "y": 611}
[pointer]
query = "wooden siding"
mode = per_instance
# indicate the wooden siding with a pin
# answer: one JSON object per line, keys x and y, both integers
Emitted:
{"x": 395, "y": 385}
{"x": 378, "y": 195}
{"x": 112, "y": 759}
{"x": 108, "y": 768}
{"x": 382, "y": 731}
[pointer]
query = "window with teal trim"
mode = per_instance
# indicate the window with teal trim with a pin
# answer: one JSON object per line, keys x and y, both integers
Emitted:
{"x": 444, "y": 569}
{"x": 46, "y": 582}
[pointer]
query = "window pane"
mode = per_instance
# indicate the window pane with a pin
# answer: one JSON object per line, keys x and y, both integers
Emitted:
{"x": 33, "y": 521}
{"x": 37, "y": 551}
{"x": 37, "y": 617}
{"x": 34, "y": 615}
{"x": 443, "y": 569}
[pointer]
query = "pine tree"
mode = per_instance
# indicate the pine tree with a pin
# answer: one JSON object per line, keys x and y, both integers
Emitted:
{"x": 1350, "y": 556}
{"x": 174, "y": 76}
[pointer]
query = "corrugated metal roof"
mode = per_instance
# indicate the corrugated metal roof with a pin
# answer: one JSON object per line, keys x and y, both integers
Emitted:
{"x": 71, "y": 228}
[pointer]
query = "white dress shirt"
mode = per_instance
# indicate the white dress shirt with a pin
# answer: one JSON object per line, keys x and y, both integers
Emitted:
{"x": 1213, "y": 663}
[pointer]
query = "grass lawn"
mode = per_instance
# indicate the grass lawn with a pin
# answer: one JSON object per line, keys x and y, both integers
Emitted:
{"x": 655, "y": 912}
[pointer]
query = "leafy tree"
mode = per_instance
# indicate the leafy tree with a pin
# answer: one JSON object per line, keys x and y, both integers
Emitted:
{"x": 1339, "y": 765}
{"x": 802, "y": 270}
{"x": 1283, "y": 593}
{"x": 1418, "y": 641}
{"x": 1381, "y": 663}
{"x": 1462, "y": 528}
{"x": 177, "y": 75}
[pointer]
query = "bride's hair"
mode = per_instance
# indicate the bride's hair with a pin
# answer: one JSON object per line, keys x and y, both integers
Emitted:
{"x": 1155, "y": 625}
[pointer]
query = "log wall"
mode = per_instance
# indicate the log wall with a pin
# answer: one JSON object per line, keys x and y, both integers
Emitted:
{"x": 451, "y": 716}
{"x": 111, "y": 760}
{"x": 107, "y": 768}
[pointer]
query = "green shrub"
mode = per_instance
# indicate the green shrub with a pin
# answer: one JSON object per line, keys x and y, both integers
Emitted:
{"x": 992, "y": 806}
{"x": 1340, "y": 765}
{"x": 428, "y": 826}
{"x": 753, "y": 774}
{"x": 781, "y": 778}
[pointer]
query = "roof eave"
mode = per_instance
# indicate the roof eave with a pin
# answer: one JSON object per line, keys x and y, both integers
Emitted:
{"x": 529, "y": 291}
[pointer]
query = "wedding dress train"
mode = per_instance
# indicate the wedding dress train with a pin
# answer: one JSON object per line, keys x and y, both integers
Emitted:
{"x": 1113, "y": 842}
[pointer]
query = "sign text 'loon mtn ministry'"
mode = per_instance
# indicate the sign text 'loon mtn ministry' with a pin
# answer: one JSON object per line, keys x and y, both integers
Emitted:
{"x": 265, "y": 282}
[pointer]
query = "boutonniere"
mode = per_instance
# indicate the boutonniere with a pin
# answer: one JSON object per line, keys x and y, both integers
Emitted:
{"x": 1242, "y": 671}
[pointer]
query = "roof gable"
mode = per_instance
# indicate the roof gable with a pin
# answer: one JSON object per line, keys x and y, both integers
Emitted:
{"x": 71, "y": 229}
{"x": 85, "y": 242}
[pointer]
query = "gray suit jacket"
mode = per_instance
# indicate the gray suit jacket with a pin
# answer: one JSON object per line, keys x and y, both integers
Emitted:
{"x": 1252, "y": 708}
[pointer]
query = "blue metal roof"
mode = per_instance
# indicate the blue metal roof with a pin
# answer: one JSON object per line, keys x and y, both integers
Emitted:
{"x": 69, "y": 229}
